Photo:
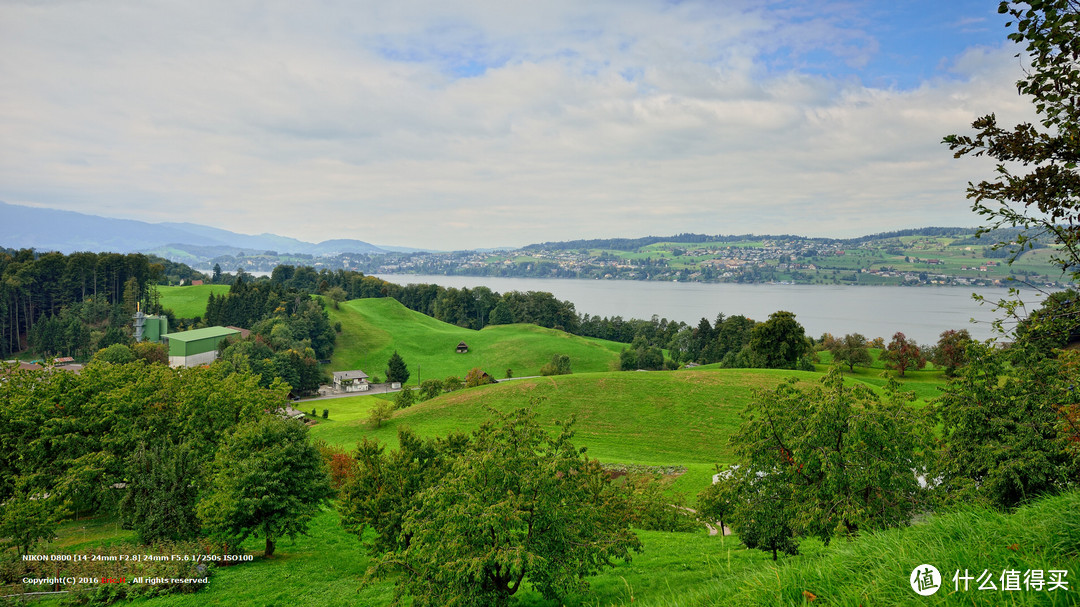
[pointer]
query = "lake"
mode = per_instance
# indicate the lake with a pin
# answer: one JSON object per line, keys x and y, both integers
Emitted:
{"x": 921, "y": 313}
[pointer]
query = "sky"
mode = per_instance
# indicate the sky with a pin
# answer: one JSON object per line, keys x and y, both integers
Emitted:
{"x": 470, "y": 124}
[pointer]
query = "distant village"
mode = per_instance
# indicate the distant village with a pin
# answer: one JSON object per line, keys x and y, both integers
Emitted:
{"x": 788, "y": 260}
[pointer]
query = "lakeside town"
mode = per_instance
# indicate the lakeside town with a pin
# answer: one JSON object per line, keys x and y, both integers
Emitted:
{"x": 931, "y": 256}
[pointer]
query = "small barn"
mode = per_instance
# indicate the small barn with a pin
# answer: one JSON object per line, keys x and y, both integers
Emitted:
{"x": 462, "y": 348}
{"x": 351, "y": 381}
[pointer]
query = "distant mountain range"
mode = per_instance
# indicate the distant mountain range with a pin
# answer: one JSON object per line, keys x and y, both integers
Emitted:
{"x": 67, "y": 231}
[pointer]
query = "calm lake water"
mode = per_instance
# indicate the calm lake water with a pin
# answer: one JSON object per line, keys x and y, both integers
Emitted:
{"x": 921, "y": 313}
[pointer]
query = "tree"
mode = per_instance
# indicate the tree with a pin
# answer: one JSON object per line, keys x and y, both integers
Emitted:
{"x": 381, "y": 412}
{"x": 902, "y": 354}
{"x": 513, "y": 505}
{"x": 268, "y": 481}
{"x": 779, "y": 343}
{"x": 396, "y": 371}
{"x": 717, "y": 502}
{"x": 827, "y": 459}
{"x": 217, "y": 274}
{"x": 766, "y": 511}
{"x": 851, "y": 350}
{"x": 430, "y": 388}
{"x": 950, "y": 353}
{"x": 477, "y": 377}
{"x": 452, "y": 382}
{"x": 26, "y": 520}
{"x": 559, "y": 365}
{"x": 151, "y": 352}
{"x": 337, "y": 295}
{"x": 404, "y": 398}
{"x": 117, "y": 354}
{"x": 1045, "y": 201}
{"x": 1006, "y": 433}
{"x": 501, "y": 314}
{"x": 162, "y": 492}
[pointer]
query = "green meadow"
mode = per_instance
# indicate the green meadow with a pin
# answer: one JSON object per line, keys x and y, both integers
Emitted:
{"x": 372, "y": 329}
{"x": 189, "y": 301}
{"x": 639, "y": 417}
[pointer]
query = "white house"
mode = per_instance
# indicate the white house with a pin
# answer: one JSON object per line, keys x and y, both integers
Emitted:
{"x": 351, "y": 381}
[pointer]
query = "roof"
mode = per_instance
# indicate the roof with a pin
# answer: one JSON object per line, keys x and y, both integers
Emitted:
{"x": 343, "y": 375}
{"x": 206, "y": 333}
{"x": 462, "y": 344}
{"x": 243, "y": 332}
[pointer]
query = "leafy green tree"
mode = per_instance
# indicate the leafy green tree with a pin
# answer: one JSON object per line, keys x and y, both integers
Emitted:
{"x": 717, "y": 502}
{"x": 396, "y": 370}
{"x": 902, "y": 355}
{"x": 337, "y": 295}
{"x": 162, "y": 492}
{"x": 151, "y": 352}
{"x": 385, "y": 487}
{"x": 268, "y": 481}
{"x": 217, "y": 274}
{"x": 381, "y": 412}
{"x": 477, "y": 377}
{"x": 1006, "y": 437}
{"x": 1044, "y": 199}
{"x": 117, "y": 354}
{"x": 559, "y": 365}
{"x": 452, "y": 382}
{"x": 1054, "y": 324}
{"x": 950, "y": 353}
{"x": 779, "y": 343}
{"x": 113, "y": 335}
{"x": 641, "y": 355}
{"x": 404, "y": 399}
{"x": 501, "y": 314}
{"x": 515, "y": 505}
{"x": 829, "y": 459}
{"x": 28, "y": 519}
{"x": 132, "y": 295}
{"x": 766, "y": 511}
{"x": 851, "y": 351}
{"x": 430, "y": 388}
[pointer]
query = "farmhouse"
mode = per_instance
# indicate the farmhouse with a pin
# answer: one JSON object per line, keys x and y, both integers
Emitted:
{"x": 462, "y": 348}
{"x": 351, "y": 381}
{"x": 196, "y": 347}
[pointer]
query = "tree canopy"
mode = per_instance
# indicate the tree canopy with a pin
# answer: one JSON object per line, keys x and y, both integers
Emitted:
{"x": 1037, "y": 186}
{"x": 467, "y": 520}
{"x": 826, "y": 460}
{"x": 268, "y": 481}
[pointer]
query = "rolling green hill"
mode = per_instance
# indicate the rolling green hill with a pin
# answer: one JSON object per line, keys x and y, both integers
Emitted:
{"x": 655, "y": 418}
{"x": 189, "y": 301}
{"x": 372, "y": 329}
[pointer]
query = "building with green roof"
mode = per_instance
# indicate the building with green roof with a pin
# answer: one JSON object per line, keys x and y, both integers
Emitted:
{"x": 196, "y": 347}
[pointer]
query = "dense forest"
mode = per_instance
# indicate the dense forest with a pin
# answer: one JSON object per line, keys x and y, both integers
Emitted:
{"x": 96, "y": 290}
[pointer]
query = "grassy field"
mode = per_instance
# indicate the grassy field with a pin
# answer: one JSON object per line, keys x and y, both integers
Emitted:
{"x": 372, "y": 329}
{"x": 654, "y": 418}
{"x": 189, "y": 301}
{"x": 696, "y": 570}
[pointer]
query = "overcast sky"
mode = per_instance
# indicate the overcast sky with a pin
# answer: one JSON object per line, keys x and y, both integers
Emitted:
{"x": 476, "y": 124}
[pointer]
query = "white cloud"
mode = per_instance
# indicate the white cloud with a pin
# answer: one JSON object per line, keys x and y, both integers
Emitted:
{"x": 334, "y": 119}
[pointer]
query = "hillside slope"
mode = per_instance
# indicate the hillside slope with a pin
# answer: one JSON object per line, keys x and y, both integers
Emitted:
{"x": 372, "y": 329}
{"x": 655, "y": 418}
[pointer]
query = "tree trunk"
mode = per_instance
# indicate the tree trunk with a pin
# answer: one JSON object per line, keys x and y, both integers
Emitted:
{"x": 269, "y": 547}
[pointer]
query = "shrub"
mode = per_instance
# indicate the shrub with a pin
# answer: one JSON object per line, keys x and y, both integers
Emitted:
{"x": 559, "y": 365}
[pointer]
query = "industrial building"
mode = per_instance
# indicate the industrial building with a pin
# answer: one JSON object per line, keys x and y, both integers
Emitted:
{"x": 196, "y": 347}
